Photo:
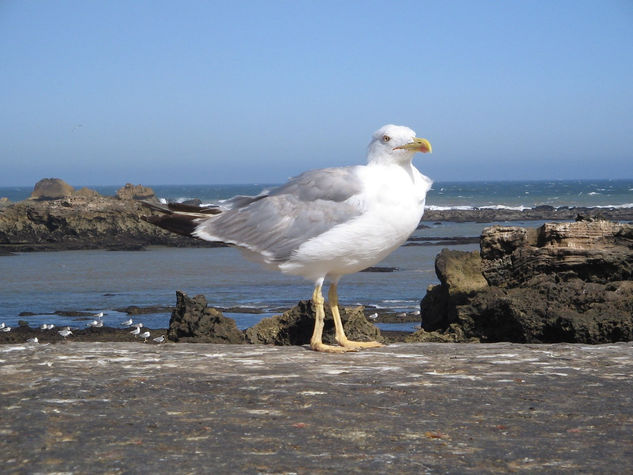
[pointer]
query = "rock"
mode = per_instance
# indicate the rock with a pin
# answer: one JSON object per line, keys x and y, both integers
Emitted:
{"x": 295, "y": 326}
{"x": 4, "y": 201}
{"x": 51, "y": 189}
{"x": 86, "y": 193}
{"x": 192, "y": 321}
{"x": 562, "y": 282}
{"x": 135, "y": 192}
{"x": 460, "y": 276}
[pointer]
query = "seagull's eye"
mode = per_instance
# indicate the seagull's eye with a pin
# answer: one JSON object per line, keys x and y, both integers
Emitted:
{"x": 386, "y": 138}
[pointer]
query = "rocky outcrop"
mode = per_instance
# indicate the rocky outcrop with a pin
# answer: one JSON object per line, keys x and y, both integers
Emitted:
{"x": 135, "y": 192}
{"x": 83, "y": 220}
{"x": 51, "y": 189}
{"x": 540, "y": 213}
{"x": 295, "y": 326}
{"x": 562, "y": 282}
{"x": 192, "y": 321}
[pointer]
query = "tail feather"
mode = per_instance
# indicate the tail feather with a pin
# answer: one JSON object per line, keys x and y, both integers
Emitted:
{"x": 179, "y": 218}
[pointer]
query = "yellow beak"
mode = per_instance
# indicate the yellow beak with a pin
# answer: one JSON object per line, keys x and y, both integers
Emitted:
{"x": 418, "y": 145}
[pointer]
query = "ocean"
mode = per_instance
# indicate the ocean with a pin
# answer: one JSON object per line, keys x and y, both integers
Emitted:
{"x": 107, "y": 281}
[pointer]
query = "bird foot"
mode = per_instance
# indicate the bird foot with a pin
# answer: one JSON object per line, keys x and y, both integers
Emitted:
{"x": 330, "y": 348}
{"x": 359, "y": 345}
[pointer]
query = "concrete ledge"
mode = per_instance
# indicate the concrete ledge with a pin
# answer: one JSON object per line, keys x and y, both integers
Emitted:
{"x": 406, "y": 408}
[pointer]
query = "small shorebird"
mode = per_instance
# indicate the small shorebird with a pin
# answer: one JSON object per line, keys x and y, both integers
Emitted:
{"x": 145, "y": 336}
{"x": 160, "y": 339}
{"x": 33, "y": 340}
{"x": 65, "y": 332}
{"x": 96, "y": 324}
{"x": 127, "y": 323}
{"x": 136, "y": 331}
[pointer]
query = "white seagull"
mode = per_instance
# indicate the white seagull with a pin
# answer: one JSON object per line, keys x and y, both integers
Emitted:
{"x": 5, "y": 329}
{"x": 322, "y": 224}
{"x": 160, "y": 339}
{"x": 64, "y": 333}
{"x": 2, "y": 325}
{"x": 127, "y": 323}
{"x": 137, "y": 325}
{"x": 145, "y": 336}
{"x": 136, "y": 331}
{"x": 33, "y": 340}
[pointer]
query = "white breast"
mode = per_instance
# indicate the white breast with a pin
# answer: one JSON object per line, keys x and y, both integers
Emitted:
{"x": 392, "y": 203}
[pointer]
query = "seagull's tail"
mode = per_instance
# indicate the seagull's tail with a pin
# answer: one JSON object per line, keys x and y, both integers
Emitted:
{"x": 179, "y": 218}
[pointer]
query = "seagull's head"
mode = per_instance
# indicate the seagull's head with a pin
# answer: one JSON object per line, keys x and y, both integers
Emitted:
{"x": 395, "y": 144}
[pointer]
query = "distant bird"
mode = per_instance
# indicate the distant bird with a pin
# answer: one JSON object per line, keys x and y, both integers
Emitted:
{"x": 136, "y": 331}
{"x": 64, "y": 333}
{"x": 374, "y": 316}
{"x": 322, "y": 224}
{"x": 2, "y": 325}
{"x": 50, "y": 326}
{"x": 6, "y": 329}
{"x": 127, "y": 323}
{"x": 33, "y": 340}
{"x": 43, "y": 326}
{"x": 145, "y": 336}
{"x": 137, "y": 325}
{"x": 160, "y": 339}
{"x": 96, "y": 324}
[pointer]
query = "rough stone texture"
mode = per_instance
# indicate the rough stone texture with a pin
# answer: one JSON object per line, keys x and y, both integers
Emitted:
{"x": 82, "y": 221}
{"x": 192, "y": 321}
{"x": 51, "y": 189}
{"x": 408, "y": 408}
{"x": 295, "y": 326}
{"x": 570, "y": 282}
{"x": 86, "y": 193}
{"x": 4, "y": 201}
{"x": 135, "y": 192}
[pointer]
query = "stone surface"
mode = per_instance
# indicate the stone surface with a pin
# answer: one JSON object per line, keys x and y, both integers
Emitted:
{"x": 135, "y": 192}
{"x": 51, "y": 189}
{"x": 408, "y": 408}
{"x": 192, "y": 321}
{"x": 295, "y": 326}
{"x": 569, "y": 282}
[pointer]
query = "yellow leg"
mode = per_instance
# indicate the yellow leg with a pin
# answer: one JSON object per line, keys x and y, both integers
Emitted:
{"x": 340, "y": 337}
{"x": 316, "y": 342}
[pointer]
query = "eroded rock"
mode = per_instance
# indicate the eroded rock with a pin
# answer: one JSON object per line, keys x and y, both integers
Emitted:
{"x": 562, "y": 282}
{"x": 295, "y": 326}
{"x": 51, "y": 189}
{"x": 192, "y": 321}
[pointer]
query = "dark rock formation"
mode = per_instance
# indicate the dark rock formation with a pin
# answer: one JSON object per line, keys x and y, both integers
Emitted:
{"x": 562, "y": 282}
{"x": 295, "y": 326}
{"x": 135, "y": 192}
{"x": 192, "y": 321}
{"x": 544, "y": 213}
{"x": 83, "y": 220}
{"x": 51, "y": 189}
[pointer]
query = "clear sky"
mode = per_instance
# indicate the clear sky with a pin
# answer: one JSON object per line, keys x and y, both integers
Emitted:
{"x": 184, "y": 92}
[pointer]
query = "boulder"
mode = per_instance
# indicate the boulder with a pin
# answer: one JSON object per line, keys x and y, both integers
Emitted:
{"x": 86, "y": 193}
{"x": 295, "y": 326}
{"x": 51, "y": 189}
{"x": 193, "y": 321}
{"x": 135, "y": 192}
{"x": 4, "y": 201}
{"x": 562, "y": 282}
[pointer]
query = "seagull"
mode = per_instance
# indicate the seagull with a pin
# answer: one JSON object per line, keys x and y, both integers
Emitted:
{"x": 99, "y": 315}
{"x": 160, "y": 339}
{"x": 65, "y": 332}
{"x": 127, "y": 323}
{"x": 374, "y": 316}
{"x": 2, "y": 325}
{"x": 50, "y": 326}
{"x": 33, "y": 340}
{"x": 136, "y": 331}
{"x": 96, "y": 324}
{"x": 145, "y": 336}
{"x": 5, "y": 329}
{"x": 137, "y": 325}
{"x": 322, "y": 224}
{"x": 43, "y": 326}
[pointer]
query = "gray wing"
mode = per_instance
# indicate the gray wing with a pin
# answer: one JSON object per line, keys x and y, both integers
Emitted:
{"x": 276, "y": 224}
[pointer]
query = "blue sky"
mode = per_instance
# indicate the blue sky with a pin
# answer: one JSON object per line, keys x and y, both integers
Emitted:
{"x": 182, "y": 92}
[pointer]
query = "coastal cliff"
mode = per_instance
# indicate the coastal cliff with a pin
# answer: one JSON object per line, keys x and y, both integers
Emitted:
{"x": 561, "y": 282}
